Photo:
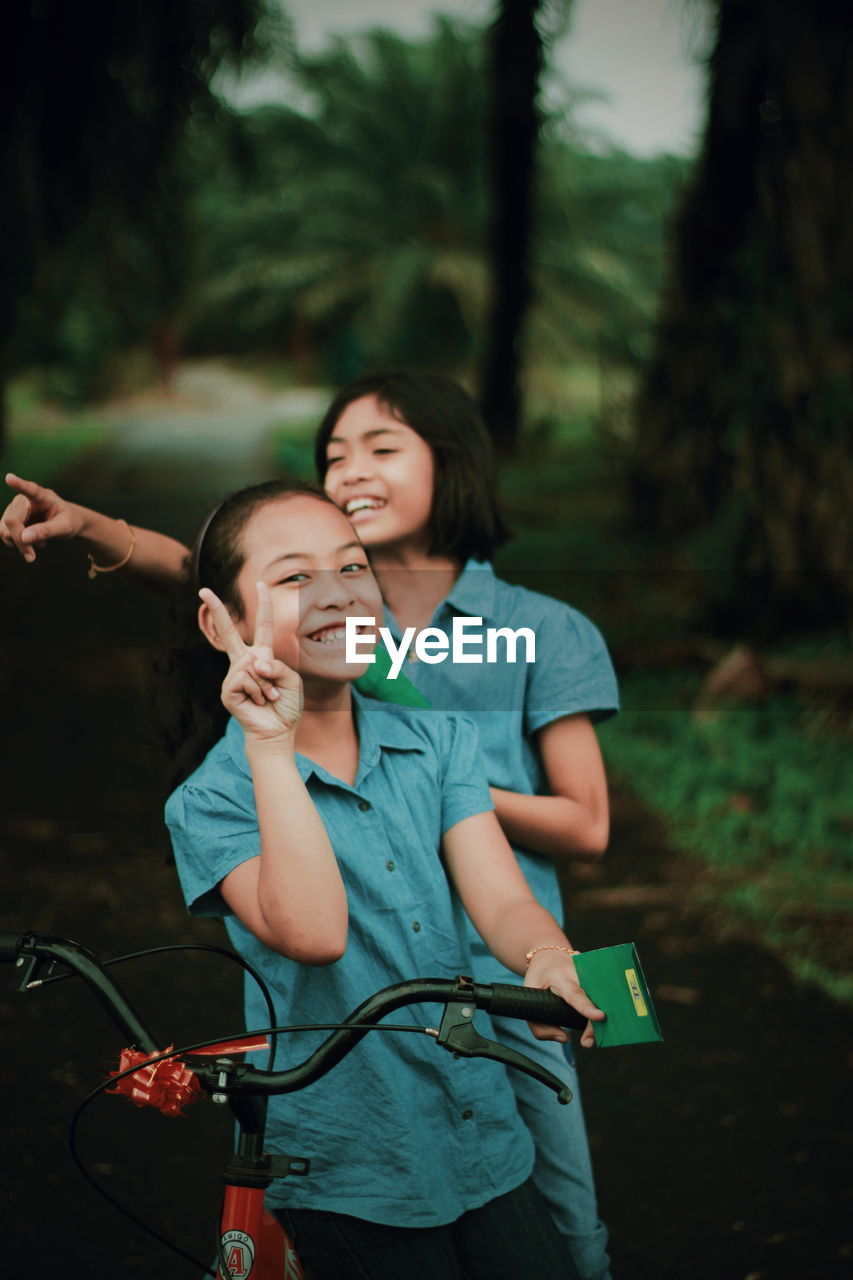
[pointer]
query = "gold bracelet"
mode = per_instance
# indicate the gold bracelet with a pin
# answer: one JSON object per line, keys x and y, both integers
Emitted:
{"x": 95, "y": 569}
{"x": 549, "y": 947}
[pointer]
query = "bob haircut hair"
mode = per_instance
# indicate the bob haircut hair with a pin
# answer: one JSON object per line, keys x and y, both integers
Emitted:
{"x": 464, "y": 521}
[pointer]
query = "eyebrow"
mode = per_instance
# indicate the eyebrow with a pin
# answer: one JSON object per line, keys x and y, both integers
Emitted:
{"x": 368, "y": 435}
{"x": 307, "y": 555}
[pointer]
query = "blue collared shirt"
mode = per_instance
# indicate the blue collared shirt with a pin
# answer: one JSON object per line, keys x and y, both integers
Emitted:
{"x": 399, "y": 1132}
{"x": 509, "y": 702}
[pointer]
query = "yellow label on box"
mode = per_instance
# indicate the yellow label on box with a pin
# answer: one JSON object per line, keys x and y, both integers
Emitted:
{"x": 636, "y": 993}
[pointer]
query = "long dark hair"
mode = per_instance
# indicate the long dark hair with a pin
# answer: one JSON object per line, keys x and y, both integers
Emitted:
{"x": 189, "y": 670}
{"x": 465, "y": 520}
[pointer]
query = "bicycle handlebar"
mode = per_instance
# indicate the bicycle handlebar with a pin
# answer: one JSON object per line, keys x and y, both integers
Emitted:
{"x": 528, "y": 1003}
{"x": 31, "y": 948}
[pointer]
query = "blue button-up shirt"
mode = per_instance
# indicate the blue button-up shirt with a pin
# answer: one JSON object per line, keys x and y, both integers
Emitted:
{"x": 399, "y": 1132}
{"x": 572, "y": 673}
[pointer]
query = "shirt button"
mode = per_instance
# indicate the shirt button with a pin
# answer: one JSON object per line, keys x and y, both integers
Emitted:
{"x": 389, "y": 865}
{"x": 467, "y": 1113}
{"x": 364, "y": 805}
{"x": 416, "y": 925}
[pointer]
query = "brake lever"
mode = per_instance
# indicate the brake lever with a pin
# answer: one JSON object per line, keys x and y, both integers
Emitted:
{"x": 35, "y": 970}
{"x": 459, "y": 1036}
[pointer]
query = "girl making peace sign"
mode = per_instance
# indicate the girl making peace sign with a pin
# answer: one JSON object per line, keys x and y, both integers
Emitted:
{"x": 329, "y": 832}
{"x": 409, "y": 459}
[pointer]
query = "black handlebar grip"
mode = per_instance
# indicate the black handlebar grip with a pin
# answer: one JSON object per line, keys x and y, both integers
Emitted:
{"x": 9, "y": 945}
{"x": 534, "y": 1005}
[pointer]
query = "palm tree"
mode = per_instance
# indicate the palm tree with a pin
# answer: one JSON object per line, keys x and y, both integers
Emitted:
{"x": 368, "y": 210}
{"x": 743, "y": 426}
{"x": 364, "y": 228}
{"x": 515, "y": 64}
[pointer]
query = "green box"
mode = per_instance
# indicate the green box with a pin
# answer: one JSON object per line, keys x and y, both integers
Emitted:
{"x": 613, "y": 979}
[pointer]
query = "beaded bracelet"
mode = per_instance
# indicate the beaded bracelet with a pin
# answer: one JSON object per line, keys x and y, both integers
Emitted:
{"x": 549, "y": 947}
{"x": 95, "y": 569}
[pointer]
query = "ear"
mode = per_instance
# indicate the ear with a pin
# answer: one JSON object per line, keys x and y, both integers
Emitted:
{"x": 207, "y": 626}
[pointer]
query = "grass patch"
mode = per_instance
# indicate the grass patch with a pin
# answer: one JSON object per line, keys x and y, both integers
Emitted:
{"x": 42, "y": 439}
{"x": 762, "y": 799}
{"x": 44, "y": 455}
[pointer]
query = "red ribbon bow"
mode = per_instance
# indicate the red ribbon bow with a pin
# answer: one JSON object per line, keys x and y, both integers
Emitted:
{"x": 167, "y": 1085}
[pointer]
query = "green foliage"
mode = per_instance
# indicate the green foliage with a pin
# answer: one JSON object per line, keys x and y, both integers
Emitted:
{"x": 348, "y": 227}
{"x": 364, "y": 216}
{"x": 755, "y": 796}
{"x": 360, "y": 233}
{"x": 599, "y": 249}
{"x": 562, "y": 498}
{"x": 292, "y": 448}
{"x": 753, "y": 770}
{"x": 41, "y": 442}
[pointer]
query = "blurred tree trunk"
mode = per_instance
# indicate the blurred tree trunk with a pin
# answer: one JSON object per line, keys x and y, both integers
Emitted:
{"x": 514, "y": 66}
{"x": 166, "y": 343}
{"x": 743, "y": 426}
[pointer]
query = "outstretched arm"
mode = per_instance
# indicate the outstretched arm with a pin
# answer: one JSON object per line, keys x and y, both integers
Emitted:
{"x": 37, "y": 515}
{"x": 572, "y": 822}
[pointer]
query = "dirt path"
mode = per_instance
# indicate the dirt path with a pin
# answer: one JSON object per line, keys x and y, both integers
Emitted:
{"x": 174, "y": 456}
{"x": 718, "y": 1153}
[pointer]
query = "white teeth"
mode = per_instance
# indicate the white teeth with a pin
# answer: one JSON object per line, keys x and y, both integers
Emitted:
{"x": 363, "y": 504}
{"x": 329, "y": 637}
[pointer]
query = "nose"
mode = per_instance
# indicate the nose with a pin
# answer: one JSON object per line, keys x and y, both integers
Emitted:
{"x": 332, "y": 591}
{"x": 355, "y": 468}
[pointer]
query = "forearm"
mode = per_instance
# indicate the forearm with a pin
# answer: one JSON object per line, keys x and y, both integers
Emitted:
{"x": 301, "y": 898}
{"x": 559, "y": 826}
{"x": 529, "y": 940}
{"x": 156, "y": 559}
{"x": 507, "y": 916}
{"x": 523, "y": 926}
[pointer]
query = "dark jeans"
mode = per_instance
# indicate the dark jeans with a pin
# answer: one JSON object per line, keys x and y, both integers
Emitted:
{"x": 510, "y": 1238}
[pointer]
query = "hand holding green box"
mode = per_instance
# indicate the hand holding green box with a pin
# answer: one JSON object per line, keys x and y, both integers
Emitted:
{"x": 613, "y": 979}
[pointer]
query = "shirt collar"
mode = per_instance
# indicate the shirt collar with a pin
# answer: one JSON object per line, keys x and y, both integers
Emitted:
{"x": 473, "y": 591}
{"x": 379, "y": 725}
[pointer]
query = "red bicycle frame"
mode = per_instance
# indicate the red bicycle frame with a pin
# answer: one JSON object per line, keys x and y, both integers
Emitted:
{"x": 253, "y": 1245}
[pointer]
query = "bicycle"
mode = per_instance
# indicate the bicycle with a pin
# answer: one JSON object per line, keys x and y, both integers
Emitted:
{"x": 251, "y": 1244}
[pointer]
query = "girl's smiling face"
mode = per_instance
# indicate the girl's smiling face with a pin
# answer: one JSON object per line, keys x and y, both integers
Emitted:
{"x": 307, "y": 553}
{"x": 381, "y": 474}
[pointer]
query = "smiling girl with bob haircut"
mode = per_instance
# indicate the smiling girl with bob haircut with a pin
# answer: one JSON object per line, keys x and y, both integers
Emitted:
{"x": 333, "y": 835}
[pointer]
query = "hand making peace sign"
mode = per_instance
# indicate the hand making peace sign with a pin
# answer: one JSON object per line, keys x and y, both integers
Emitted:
{"x": 259, "y": 690}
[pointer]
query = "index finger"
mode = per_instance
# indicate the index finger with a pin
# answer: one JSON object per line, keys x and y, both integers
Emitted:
{"x": 28, "y": 487}
{"x": 263, "y": 619}
{"x": 228, "y": 633}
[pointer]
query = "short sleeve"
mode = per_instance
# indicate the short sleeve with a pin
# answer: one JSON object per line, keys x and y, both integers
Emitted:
{"x": 572, "y": 674}
{"x": 465, "y": 789}
{"x": 212, "y": 833}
